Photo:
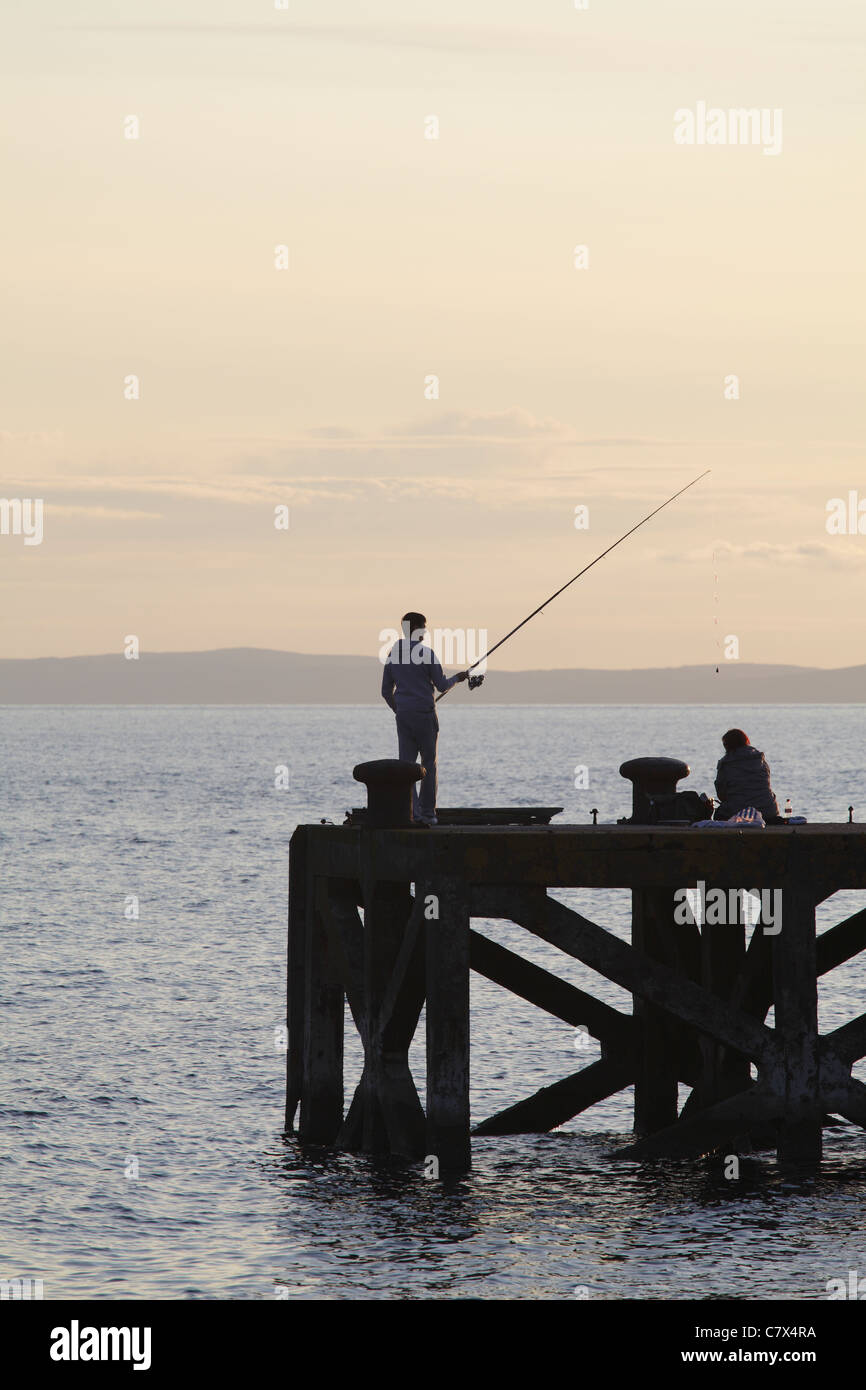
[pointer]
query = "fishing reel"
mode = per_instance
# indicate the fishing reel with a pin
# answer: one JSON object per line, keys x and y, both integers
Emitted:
{"x": 474, "y": 681}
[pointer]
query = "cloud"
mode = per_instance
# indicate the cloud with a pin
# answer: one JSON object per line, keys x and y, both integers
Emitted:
{"x": 101, "y": 513}
{"x": 769, "y": 553}
{"x": 333, "y": 432}
{"x": 496, "y": 459}
{"x": 567, "y": 44}
{"x": 19, "y": 438}
{"x": 503, "y": 425}
{"x": 493, "y": 459}
{"x": 506, "y": 427}
{"x": 247, "y": 490}
{"x": 498, "y": 492}
{"x": 439, "y": 38}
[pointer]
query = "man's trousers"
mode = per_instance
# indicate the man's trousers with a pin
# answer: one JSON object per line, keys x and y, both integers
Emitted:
{"x": 417, "y": 736}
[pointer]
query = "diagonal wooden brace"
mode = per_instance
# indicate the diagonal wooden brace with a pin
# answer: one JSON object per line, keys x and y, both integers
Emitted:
{"x": 636, "y": 972}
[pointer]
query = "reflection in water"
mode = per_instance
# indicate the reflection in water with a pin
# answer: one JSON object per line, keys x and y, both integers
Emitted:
{"x": 539, "y": 1216}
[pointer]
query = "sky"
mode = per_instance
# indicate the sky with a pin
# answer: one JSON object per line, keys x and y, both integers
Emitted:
{"x": 716, "y": 322}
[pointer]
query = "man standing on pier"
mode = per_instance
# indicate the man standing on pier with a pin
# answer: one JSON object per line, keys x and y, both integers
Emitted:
{"x": 411, "y": 674}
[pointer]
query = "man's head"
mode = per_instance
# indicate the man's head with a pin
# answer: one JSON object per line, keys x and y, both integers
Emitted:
{"x": 733, "y": 739}
{"x": 414, "y": 625}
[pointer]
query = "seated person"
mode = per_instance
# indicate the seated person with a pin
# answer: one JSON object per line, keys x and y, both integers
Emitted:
{"x": 743, "y": 779}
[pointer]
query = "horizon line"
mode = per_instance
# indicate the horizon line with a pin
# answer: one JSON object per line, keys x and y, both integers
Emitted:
{"x": 500, "y": 670}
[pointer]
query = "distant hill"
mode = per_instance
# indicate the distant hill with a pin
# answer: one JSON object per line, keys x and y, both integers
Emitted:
{"x": 249, "y": 675}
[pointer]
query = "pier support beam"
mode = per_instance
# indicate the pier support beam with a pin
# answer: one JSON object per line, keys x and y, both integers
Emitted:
{"x": 381, "y": 963}
{"x": 723, "y": 955}
{"x": 557, "y": 1104}
{"x": 296, "y": 974}
{"x": 795, "y": 988}
{"x": 448, "y": 1025}
{"x": 322, "y": 1080}
{"x": 656, "y": 1086}
{"x": 393, "y": 1120}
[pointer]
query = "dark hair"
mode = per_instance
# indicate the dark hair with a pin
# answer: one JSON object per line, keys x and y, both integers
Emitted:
{"x": 734, "y": 738}
{"x": 413, "y": 622}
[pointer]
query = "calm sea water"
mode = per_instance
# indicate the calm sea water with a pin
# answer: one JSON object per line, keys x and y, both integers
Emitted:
{"x": 148, "y": 1044}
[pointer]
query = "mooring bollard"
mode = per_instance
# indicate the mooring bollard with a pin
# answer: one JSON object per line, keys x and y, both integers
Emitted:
{"x": 651, "y": 777}
{"x": 389, "y": 783}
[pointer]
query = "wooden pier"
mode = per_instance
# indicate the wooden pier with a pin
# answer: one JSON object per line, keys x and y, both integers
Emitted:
{"x": 701, "y": 992}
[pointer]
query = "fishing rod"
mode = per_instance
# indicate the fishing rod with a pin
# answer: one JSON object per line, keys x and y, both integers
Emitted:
{"x": 476, "y": 680}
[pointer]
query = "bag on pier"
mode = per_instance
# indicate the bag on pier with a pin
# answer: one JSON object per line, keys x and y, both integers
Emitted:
{"x": 680, "y": 806}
